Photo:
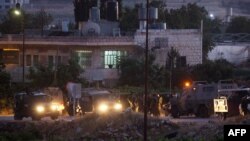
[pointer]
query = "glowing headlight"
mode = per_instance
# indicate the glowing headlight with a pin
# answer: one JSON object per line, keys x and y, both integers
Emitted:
{"x": 54, "y": 107}
{"x": 40, "y": 108}
{"x": 61, "y": 107}
{"x": 118, "y": 106}
{"x": 57, "y": 106}
{"x": 103, "y": 107}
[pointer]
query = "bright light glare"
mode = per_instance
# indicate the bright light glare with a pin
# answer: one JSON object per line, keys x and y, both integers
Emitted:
{"x": 211, "y": 16}
{"x": 40, "y": 109}
{"x": 17, "y": 12}
{"x": 187, "y": 84}
{"x": 57, "y": 106}
{"x": 54, "y": 107}
{"x": 103, "y": 107}
{"x": 118, "y": 106}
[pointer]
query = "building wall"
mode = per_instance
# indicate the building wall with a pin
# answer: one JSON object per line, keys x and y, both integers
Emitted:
{"x": 188, "y": 42}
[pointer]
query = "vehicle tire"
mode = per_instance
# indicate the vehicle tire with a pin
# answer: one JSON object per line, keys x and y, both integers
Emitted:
{"x": 175, "y": 111}
{"x": 18, "y": 117}
{"x": 202, "y": 112}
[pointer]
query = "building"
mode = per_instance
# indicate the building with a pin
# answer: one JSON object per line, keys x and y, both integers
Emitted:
{"x": 188, "y": 42}
{"x": 99, "y": 46}
{"x": 97, "y": 56}
{"x": 7, "y": 4}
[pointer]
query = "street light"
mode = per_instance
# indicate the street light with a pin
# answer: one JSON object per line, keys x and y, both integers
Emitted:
{"x": 18, "y": 12}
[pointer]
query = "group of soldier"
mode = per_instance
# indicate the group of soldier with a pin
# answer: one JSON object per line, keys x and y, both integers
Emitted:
{"x": 157, "y": 105}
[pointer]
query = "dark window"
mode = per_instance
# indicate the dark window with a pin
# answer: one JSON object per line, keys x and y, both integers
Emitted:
{"x": 7, "y": 7}
{"x": 59, "y": 60}
{"x": 181, "y": 61}
{"x": 35, "y": 60}
{"x": 50, "y": 60}
{"x": 28, "y": 60}
{"x": 161, "y": 42}
{"x": 7, "y": 1}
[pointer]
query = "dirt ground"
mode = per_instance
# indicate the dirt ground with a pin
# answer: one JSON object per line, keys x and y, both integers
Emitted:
{"x": 118, "y": 127}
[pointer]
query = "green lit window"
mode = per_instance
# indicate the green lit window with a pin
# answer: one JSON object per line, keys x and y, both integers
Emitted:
{"x": 112, "y": 58}
{"x": 84, "y": 58}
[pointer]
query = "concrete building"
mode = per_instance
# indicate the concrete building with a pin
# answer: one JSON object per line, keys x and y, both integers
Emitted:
{"x": 97, "y": 56}
{"x": 7, "y": 4}
{"x": 188, "y": 42}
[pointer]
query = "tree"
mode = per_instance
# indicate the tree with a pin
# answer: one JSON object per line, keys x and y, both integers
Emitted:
{"x": 212, "y": 71}
{"x": 175, "y": 73}
{"x": 41, "y": 19}
{"x": 239, "y": 25}
{"x": 5, "y": 88}
{"x": 129, "y": 20}
{"x": 43, "y": 76}
{"x": 11, "y": 23}
{"x": 132, "y": 72}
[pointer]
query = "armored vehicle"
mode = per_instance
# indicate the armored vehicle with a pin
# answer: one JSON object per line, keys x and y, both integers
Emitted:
{"x": 198, "y": 98}
{"x": 35, "y": 105}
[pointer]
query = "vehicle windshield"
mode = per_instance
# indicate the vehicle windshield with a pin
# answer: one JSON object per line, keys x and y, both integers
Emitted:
{"x": 41, "y": 98}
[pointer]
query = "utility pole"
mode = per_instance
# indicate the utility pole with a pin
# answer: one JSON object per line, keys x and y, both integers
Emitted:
{"x": 146, "y": 76}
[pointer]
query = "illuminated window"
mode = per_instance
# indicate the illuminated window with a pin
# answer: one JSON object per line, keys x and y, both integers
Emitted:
{"x": 112, "y": 58}
{"x": 84, "y": 58}
{"x": 28, "y": 60}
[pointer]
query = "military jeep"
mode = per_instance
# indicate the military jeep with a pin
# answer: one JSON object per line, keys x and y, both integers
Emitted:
{"x": 35, "y": 105}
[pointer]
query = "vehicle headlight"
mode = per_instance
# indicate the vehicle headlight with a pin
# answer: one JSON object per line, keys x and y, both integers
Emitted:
{"x": 57, "y": 106}
{"x": 118, "y": 106}
{"x": 40, "y": 108}
{"x": 54, "y": 107}
{"x": 103, "y": 107}
{"x": 61, "y": 107}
